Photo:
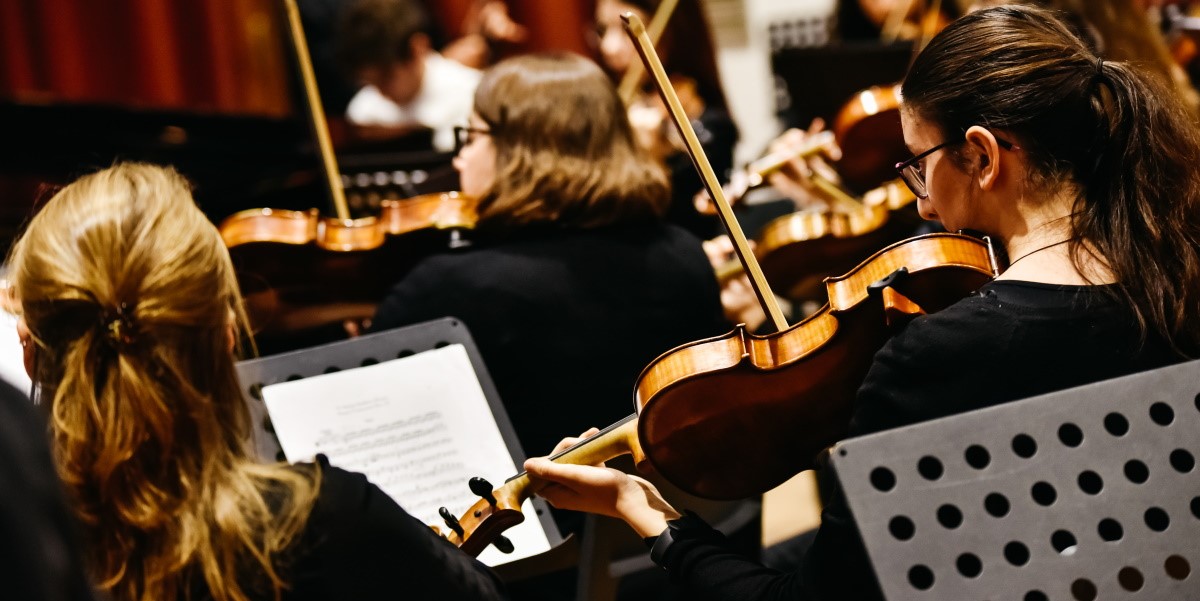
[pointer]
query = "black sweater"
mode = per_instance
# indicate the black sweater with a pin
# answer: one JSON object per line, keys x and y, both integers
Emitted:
{"x": 1009, "y": 341}
{"x": 566, "y": 319}
{"x": 360, "y": 545}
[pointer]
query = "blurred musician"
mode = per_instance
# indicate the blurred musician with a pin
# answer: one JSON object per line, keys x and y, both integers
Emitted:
{"x": 688, "y": 54}
{"x": 1121, "y": 30}
{"x": 573, "y": 283}
{"x": 385, "y": 45}
{"x": 1084, "y": 171}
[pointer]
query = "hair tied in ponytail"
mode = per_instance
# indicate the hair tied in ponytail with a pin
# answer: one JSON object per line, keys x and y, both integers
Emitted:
{"x": 119, "y": 327}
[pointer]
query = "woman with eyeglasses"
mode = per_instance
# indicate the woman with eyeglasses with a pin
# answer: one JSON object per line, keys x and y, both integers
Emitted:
{"x": 1085, "y": 172}
{"x": 573, "y": 282}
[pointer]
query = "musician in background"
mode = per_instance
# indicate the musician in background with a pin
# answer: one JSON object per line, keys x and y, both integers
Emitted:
{"x": 132, "y": 309}
{"x": 1084, "y": 171}
{"x": 573, "y": 283}
{"x": 892, "y": 20}
{"x": 1121, "y": 30}
{"x": 689, "y": 58}
{"x": 384, "y": 44}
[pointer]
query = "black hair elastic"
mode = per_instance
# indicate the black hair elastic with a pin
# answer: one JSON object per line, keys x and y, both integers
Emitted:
{"x": 119, "y": 328}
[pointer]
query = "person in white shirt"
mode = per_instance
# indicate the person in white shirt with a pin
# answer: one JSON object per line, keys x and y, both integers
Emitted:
{"x": 383, "y": 44}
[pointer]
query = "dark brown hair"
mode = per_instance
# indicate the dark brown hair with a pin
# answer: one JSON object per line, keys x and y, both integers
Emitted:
{"x": 565, "y": 152}
{"x": 1106, "y": 129}
{"x": 376, "y": 33}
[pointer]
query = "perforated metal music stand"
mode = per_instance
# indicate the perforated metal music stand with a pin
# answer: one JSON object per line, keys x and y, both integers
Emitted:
{"x": 385, "y": 346}
{"x": 1088, "y": 493}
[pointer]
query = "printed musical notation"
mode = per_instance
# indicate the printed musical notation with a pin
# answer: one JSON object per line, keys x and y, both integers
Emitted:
{"x": 418, "y": 427}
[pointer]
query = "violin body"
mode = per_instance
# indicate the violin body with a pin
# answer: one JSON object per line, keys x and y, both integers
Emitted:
{"x": 867, "y": 129}
{"x": 299, "y": 271}
{"x": 798, "y": 250}
{"x": 737, "y": 415}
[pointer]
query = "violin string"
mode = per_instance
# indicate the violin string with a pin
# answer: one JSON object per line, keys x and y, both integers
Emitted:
{"x": 583, "y": 442}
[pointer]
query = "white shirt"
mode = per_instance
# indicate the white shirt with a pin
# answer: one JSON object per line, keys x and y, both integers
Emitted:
{"x": 445, "y": 100}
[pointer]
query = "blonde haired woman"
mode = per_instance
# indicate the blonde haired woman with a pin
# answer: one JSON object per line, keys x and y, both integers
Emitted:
{"x": 130, "y": 306}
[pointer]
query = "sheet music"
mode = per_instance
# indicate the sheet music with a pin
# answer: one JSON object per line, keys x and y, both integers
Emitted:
{"x": 418, "y": 427}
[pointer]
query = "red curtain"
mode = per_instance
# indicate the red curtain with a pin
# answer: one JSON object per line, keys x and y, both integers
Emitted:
{"x": 552, "y": 24}
{"x": 213, "y": 55}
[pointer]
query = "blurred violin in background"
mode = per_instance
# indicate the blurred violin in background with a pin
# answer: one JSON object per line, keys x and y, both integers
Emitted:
{"x": 868, "y": 131}
{"x": 303, "y": 275}
{"x": 309, "y": 279}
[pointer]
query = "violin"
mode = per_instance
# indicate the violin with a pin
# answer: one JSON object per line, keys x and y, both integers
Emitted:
{"x": 736, "y": 415}
{"x": 756, "y": 173}
{"x": 803, "y": 246}
{"x": 906, "y": 19}
{"x": 798, "y": 248}
{"x": 439, "y": 211}
{"x": 866, "y": 135}
{"x": 299, "y": 270}
{"x": 867, "y": 129}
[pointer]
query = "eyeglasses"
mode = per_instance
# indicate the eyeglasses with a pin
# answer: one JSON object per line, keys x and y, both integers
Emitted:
{"x": 466, "y": 135}
{"x": 912, "y": 171}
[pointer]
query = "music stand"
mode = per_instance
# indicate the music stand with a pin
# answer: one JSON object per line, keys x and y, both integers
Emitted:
{"x": 371, "y": 349}
{"x": 1081, "y": 494}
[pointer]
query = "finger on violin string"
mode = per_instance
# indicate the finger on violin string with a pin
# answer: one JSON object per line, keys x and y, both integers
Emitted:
{"x": 571, "y": 441}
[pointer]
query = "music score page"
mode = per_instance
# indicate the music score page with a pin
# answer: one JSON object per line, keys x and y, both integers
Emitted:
{"x": 417, "y": 427}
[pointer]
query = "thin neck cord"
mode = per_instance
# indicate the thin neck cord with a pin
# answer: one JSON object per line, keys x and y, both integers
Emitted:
{"x": 1036, "y": 250}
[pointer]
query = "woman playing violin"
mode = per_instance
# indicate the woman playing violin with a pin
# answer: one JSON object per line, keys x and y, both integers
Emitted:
{"x": 130, "y": 313}
{"x": 688, "y": 55}
{"x": 1084, "y": 171}
{"x": 573, "y": 282}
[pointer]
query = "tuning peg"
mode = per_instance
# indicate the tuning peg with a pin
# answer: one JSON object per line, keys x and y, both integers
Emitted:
{"x": 451, "y": 521}
{"x": 483, "y": 488}
{"x": 503, "y": 544}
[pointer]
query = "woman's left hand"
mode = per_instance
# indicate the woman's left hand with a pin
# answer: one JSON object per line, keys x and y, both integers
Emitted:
{"x": 603, "y": 491}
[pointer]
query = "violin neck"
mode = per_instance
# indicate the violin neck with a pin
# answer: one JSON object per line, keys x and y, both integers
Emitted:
{"x": 758, "y": 170}
{"x": 618, "y": 439}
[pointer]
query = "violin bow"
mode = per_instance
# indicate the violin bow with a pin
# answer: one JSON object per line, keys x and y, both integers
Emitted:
{"x": 658, "y": 24}
{"x": 641, "y": 41}
{"x": 315, "y": 113}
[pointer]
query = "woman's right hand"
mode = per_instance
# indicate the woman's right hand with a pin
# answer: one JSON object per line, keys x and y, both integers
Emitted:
{"x": 602, "y": 490}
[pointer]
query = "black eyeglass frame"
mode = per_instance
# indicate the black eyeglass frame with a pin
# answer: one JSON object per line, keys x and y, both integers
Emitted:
{"x": 915, "y": 180}
{"x": 462, "y": 135}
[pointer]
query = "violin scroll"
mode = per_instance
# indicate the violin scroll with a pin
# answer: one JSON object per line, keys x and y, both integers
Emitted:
{"x": 498, "y": 510}
{"x": 485, "y": 522}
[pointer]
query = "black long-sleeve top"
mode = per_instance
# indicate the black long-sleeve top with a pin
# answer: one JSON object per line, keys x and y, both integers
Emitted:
{"x": 1008, "y": 341}
{"x": 359, "y": 544}
{"x": 566, "y": 319}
